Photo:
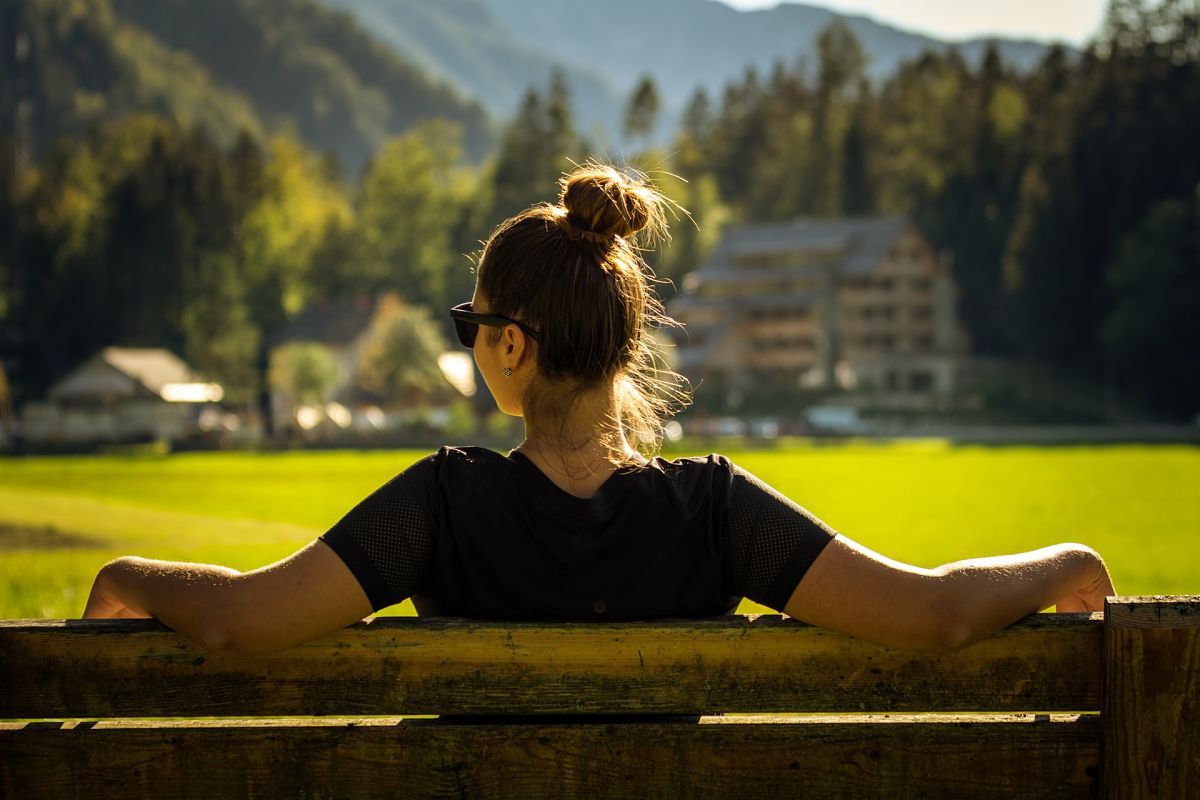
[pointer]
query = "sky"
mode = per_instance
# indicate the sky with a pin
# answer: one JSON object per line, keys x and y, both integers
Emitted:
{"x": 1070, "y": 21}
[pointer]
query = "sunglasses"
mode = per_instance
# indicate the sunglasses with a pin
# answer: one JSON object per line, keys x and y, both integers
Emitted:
{"x": 467, "y": 322}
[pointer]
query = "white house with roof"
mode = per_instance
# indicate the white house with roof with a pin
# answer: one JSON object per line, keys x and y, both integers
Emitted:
{"x": 121, "y": 394}
{"x": 857, "y": 303}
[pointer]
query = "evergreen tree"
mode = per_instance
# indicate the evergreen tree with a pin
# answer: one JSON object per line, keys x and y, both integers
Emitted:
{"x": 538, "y": 146}
{"x": 841, "y": 69}
{"x": 1154, "y": 328}
{"x": 641, "y": 112}
{"x": 857, "y": 178}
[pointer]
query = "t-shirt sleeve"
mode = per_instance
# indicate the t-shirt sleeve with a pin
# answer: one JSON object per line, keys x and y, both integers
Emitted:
{"x": 773, "y": 540}
{"x": 387, "y": 539}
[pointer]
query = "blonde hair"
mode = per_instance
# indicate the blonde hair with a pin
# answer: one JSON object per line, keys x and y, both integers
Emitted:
{"x": 573, "y": 271}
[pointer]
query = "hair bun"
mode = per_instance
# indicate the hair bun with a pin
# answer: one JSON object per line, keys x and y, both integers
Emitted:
{"x": 602, "y": 202}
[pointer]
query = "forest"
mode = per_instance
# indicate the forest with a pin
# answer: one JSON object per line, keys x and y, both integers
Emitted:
{"x": 1068, "y": 195}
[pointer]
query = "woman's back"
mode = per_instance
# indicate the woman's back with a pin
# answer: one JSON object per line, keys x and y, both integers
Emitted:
{"x": 470, "y": 532}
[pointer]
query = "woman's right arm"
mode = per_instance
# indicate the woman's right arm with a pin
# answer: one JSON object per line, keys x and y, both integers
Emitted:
{"x": 851, "y": 589}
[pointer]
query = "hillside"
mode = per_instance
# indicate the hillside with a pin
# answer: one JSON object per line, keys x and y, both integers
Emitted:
{"x": 685, "y": 43}
{"x": 227, "y": 65}
{"x": 492, "y": 49}
{"x": 75, "y": 65}
{"x": 303, "y": 64}
{"x": 461, "y": 42}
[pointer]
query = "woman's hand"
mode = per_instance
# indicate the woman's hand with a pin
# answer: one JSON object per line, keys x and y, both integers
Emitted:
{"x": 1089, "y": 596}
{"x": 104, "y": 603}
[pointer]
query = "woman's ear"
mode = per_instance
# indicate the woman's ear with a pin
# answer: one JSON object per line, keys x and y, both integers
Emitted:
{"x": 515, "y": 346}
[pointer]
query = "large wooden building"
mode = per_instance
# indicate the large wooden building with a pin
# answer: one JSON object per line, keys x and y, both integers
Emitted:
{"x": 859, "y": 304}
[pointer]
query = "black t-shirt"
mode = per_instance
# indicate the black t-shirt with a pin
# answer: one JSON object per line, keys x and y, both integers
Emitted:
{"x": 473, "y": 533}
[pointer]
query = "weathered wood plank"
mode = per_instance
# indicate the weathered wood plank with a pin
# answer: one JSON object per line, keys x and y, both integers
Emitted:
{"x": 864, "y": 758}
{"x": 1152, "y": 698}
{"x": 75, "y": 668}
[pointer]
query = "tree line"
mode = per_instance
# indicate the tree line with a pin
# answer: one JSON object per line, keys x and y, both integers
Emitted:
{"x": 1067, "y": 196}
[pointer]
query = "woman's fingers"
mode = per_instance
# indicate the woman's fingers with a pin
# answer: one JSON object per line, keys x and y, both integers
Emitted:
{"x": 1071, "y": 604}
{"x": 103, "y": 602}
{"x": 1089, "y": 597}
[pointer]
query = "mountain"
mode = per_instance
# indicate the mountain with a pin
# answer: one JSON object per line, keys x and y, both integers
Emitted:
{"x": 227, "y": 65}
{"x": 75, "y": 65}
{"x": 306, "y": 65}
{"x": 461, "y": 42}
{"x": 690, "y": 43}
{"x": 492, "y": 49}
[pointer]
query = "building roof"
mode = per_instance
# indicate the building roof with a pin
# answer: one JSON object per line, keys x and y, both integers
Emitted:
{"x": 123, "y": 372}
{"x": 856, "y": 245}
{"x": 337, "y": 321}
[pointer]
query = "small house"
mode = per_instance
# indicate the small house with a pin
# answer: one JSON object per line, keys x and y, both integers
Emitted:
{"x": 122, "y": 394}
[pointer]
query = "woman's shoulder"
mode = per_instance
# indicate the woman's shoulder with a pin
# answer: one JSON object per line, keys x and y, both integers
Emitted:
{"x": 692, "y": 463}
{"x": 467, "y": 457}
{"x": 468, "y": 453}
{"x": 709, "y": 470}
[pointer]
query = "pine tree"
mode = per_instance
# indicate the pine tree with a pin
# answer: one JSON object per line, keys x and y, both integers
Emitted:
{"x": 641, "y": 112}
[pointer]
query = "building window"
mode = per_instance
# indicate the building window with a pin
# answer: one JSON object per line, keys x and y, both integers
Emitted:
{"x": 922, "y": 312}
{"x": 921, "y": 381}
{"x": 922, "y": 285}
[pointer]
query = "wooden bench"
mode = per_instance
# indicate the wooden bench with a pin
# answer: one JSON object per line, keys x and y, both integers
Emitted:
{"x": 1056, "y": 706}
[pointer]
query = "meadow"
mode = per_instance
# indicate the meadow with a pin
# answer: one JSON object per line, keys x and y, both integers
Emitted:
{"x": 925, "y": 502}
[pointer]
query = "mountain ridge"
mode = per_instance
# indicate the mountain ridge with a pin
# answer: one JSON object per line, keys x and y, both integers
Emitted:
{"x": 259, "y": 66}
{"x": 683, "y": 44}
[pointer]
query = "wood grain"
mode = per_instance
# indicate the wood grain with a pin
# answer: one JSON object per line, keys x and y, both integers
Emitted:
{"x": 1152, "y": 698}
{"x": 959, "y": 757}
{"x": 128, "y": 668}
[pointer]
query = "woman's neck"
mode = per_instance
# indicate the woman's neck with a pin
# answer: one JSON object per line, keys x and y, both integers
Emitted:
{"x": 590, "y": 443}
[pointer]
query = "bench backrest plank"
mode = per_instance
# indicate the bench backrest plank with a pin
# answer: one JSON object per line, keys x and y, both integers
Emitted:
{"x": 733, "y": 758}
{"x": 62, "y": 669}
{"x": 1138, "y": 666}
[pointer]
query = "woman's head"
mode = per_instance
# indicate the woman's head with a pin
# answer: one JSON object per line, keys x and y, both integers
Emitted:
{"x": 573, "y": 273}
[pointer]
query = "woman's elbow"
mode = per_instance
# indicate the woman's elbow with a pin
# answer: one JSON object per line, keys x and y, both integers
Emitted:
{"x": 952, "y": 632}
{"x": 216, "y": 639}
{"x": 943, "y": 627}
{"x": 233, "y": 633}
{"x": 227, "y": 641}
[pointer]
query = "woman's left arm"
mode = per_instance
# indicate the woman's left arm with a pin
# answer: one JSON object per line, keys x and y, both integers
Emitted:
{"x": 306, "y": 595}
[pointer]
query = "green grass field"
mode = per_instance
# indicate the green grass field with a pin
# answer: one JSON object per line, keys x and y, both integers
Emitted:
{"x": 926, "y": 503}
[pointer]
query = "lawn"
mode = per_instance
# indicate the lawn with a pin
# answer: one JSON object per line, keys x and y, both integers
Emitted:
{"x": 921, "y": 502}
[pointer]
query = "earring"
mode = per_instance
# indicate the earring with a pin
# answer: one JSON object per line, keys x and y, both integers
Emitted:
{"x": 507, "y": 371}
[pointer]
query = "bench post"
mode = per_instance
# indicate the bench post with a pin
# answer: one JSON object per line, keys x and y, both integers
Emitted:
{"x": 1151, "y": 712}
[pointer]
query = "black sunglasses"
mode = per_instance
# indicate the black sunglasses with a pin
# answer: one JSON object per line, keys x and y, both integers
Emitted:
{"x": 467, "y": 322}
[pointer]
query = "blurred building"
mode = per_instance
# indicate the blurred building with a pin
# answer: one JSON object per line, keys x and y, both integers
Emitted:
{"x": 859, "y": 304}
{"x": 123, "y": 394}
{"x": 343, "y": 327}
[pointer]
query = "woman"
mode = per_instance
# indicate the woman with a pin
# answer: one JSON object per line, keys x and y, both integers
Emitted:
{"x": 576, "y": 523}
